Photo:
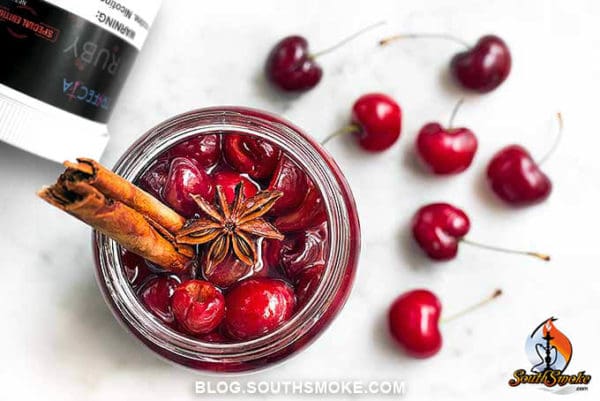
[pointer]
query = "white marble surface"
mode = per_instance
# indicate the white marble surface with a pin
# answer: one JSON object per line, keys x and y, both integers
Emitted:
{"x": 59, "y": 340}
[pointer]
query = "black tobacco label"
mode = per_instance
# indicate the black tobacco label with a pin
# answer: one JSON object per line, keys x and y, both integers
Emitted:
{"x": 61, "y": 58}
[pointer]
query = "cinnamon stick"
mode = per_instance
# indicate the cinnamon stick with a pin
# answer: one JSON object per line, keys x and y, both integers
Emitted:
{"x": 120, "y": 210}
{"x": 116, "y": 187}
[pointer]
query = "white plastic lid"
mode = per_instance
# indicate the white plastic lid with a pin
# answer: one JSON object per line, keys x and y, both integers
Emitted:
{"x": 47, "y": 131}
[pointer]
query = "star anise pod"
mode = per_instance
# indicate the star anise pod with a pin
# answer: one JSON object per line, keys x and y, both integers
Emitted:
{"x": 229, "y": 227}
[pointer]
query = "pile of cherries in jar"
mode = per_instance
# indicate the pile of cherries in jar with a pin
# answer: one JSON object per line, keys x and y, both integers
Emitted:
{"x": 376, "y": 123}
{"x": 234, "y": 301}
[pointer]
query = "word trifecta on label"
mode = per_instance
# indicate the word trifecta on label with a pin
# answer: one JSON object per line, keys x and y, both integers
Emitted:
{"x": 78, "y": 91}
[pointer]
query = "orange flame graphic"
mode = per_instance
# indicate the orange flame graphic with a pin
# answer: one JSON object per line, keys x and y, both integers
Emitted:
{"x": 560, "y": 341}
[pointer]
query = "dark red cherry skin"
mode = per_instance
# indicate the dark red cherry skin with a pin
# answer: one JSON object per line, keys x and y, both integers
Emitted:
{"x": 516, "y": 178}
{"x": 413, "y": 322}
{"x": 270, "y": 255}
{"x": 446, "y": 151}
{"x": 213, "y": 337}
{"x": 303, "y": 250}
{"x": 155, "y": 178}
{"x": 307, "y": 283}
{"x": 186, "y": 179}
{"x": 156, "y": 296}
{"x": 198, "y": 306}
{"x": 251, "y": 156}
{"x": 257, "y": 306}
{"x": 310, "y": 213}
{"x": 379, "y": 121}
{"x": 135, "y": 267}
{"x": 290, "y": 180}
{"x": 483, "y": 67}
{"x": 228, "y": 272}
{"x": 290, "y": 66}
{"x": 204, "y": 150}
{"x": 228, "y": 180}
{"x": 438, "y": 227}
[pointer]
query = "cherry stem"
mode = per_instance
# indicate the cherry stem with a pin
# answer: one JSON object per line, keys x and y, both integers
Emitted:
{"x": 454, "y": 111}
{"x": 542, "y": 256}
{"x": 471, "y": 308}
{"x": 556, "y": 141}
{"x": 346, "y": 40}
{"x": 342, "y": 131}
{"x": 386, "y": 41}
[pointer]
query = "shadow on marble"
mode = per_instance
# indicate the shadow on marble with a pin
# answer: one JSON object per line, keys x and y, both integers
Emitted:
{"x": 280, "y": 101}
{"x": 101, "y": 334}
{"x": 486, "y": 196}
{"x": 409, "y": 250}
{"x": 449, "y": 85}
{"x": 381, "y": 336}
{"x": 15, "y": 160}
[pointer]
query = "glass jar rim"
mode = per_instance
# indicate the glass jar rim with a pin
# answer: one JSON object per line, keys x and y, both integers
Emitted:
{"x": 342, "y": 219}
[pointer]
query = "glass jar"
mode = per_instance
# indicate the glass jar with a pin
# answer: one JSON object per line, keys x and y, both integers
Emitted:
{"x": 312, "y": 318}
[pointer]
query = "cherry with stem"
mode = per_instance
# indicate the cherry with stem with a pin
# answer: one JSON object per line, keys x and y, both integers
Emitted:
{"x": 291, "y": 67}
{"x": 446, "y": 150}
{"x": 438, "y": 228}
{"x": 480, "y": 68}
{"x": 414, "y": 319}
{"x": 376, "y": 122}
{"x": 516, "y": 178}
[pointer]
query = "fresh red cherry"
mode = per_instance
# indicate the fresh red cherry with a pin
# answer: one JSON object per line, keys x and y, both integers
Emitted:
{"x": 446, "y": 151}
{"x": 204, "y": 150}
{"x": 292, "y": 68}
{"x": 483, "y": 67}
{"x": 186, "y": 179}
{"x": 257, "y": 306}
{"x": 252, "y": 156}
{"x": 303, "y": 250}
{"x": 310, "y": 213}
{"x": 414, "y": 317}
{"x": 480, "y": 68}
{"x": 376, "y": 122}
{"x": 198, "y": 306}
{"x": 307, "y": 283}
{"x": 413, "y": 322}
{"x": 154, "y": 179}
{"x": 229, "y": 180}
{"x": 156, "y": 296}
{"x": 439, "y": 227}
{"x": 290, "y": 180}
{"x": 379, "y": 121}
{"x": 516, "y": 178}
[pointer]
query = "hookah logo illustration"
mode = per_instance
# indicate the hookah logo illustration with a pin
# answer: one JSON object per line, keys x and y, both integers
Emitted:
{"x": 548, "y": 348}
{"x": 550, "y": 351}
